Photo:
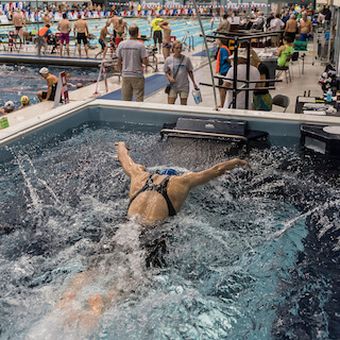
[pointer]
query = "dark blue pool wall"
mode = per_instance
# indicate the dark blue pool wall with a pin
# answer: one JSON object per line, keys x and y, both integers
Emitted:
{"x": 280, "y": 132}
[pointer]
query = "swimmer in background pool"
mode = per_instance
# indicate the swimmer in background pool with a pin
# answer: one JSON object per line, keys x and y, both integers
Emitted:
{"x": 155, "y": 197}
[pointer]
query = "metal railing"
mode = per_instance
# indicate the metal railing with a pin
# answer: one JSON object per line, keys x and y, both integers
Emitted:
{"x": 188, "y": 41}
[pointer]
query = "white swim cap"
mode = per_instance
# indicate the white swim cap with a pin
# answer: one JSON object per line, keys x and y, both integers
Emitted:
{"x": 9, "y": 106}
{"x": 43, "y": 70}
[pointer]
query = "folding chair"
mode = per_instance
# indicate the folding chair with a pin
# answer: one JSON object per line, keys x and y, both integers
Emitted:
{"x": 282, "y": 101}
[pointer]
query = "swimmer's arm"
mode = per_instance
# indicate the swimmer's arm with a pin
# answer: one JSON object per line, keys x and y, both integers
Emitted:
{"x": 194, "y": 179}
{"x": 162, "y": 24}
{"x": 129, "y": 166}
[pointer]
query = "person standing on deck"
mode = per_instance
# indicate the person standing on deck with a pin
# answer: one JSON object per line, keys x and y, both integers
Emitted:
{"x": 305, "y": 27}
{"x": 132, "y": 56}
{"x": 114, "y": 22}
{"x": 166, "y": 45}
{"x": 43, "y": 34}
{"x": 121, "y": 28}
{"x": 102, "y": 40}
{"x": 276, "y": 25}
{"x": 64, "y": 27}
{"x": 178, "y": 68}
{"x": 47, "y": 17}
{"x": 157, "y": 32}
{"x": 291, "y": 27}
{"x": 19, "y": 22}
{"x": 81, "y": 31}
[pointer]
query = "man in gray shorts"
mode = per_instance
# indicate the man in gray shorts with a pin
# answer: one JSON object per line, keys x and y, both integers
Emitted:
{"x": 131, "y": 57}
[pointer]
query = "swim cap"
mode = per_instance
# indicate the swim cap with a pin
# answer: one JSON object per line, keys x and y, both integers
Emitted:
{"x": 43, "y": 70}
{"x": 168, "y": 172}
{"x": 24, "y": 100}
{"x": 9, "y": 106}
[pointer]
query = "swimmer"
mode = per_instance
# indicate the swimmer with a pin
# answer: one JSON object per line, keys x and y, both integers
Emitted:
{"x": 64, "y": 27}
{"x": 166, "y": 45}
{"x": 25, "y": 101}
{"x": 121, "y": 28}
{"x": 81, "y": 31}
{"x": 102, "y": 40}
{"x": 155, "y": 197}
{"x": 52, "y": 82}
{"x": 19, "y": 22}
{"x": 7, "y": 108}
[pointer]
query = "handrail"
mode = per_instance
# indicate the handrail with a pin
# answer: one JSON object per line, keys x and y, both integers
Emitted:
{"x": 250, "y": 81}
{"x": 102, "y": 71}
{"x": 242, "y": 88}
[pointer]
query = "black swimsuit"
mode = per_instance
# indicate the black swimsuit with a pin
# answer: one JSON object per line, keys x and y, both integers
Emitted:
{"x": 160, "y": 188}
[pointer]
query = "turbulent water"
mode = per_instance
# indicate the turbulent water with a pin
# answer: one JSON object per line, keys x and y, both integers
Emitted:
{"x": 252, "y": 254}
{"x": 19, "y": 80}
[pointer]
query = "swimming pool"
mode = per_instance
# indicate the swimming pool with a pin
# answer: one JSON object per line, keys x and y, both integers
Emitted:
{"x": 25, "y": 80}
{"x": 179, "y": 27}
{"x": 253, "y": 254}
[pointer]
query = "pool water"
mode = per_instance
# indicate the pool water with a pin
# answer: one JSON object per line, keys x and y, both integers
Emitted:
{"x": 25, "y": 80}
{"x": 251, "y": 255}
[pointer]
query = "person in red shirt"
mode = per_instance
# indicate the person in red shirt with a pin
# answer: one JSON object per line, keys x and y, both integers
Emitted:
{"x": 43, "y": 34}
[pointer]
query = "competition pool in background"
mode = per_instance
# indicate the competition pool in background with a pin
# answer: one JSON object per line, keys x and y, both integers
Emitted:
{"x": 25, "y": 80}
{"x": 253, "y": 254}
{"x": 179, "y": 27}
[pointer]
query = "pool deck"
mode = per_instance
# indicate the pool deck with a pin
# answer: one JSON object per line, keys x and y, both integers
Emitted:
{"x": 28, "y": 118}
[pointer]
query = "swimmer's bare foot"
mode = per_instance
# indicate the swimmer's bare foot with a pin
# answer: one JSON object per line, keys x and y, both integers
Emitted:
{"x": 66, "y": 299}
{"x": 96, "y": 304}
{"x": 76, "y": 284}
{"x": 243, "y": 162}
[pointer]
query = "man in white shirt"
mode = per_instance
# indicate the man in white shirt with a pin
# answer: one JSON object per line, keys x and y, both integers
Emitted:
{"x": 254, "y": 75}
{"x": 276, "y": 25}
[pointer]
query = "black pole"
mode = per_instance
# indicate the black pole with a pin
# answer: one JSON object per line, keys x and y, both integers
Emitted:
{"x": 235, "y": 72}
{"x": 247, "y": 74}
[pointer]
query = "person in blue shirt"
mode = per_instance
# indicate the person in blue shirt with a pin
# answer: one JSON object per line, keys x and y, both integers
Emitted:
{"x": 222, "y": 65}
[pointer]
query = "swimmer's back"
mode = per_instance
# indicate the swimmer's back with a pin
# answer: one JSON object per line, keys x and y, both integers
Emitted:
{"x": 150, "y": 206}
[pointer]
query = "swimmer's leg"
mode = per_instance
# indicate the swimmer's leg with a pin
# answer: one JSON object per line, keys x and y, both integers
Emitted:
{"x": 77, "y": 283}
